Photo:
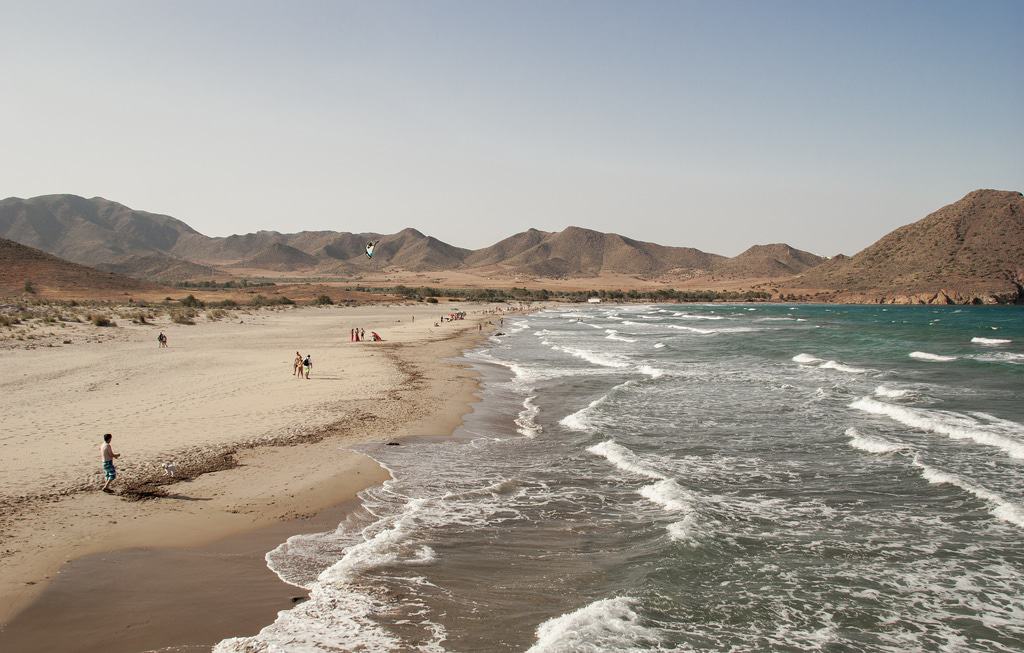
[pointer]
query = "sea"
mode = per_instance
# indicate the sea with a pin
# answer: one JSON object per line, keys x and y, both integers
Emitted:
{"x": 746, "y": 477}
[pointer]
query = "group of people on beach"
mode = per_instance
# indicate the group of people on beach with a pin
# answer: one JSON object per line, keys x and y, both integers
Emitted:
{"x": 359, "y": 335}
{"x": 301, "y": 367}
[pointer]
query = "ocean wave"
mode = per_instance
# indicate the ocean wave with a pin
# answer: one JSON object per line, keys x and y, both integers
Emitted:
{"x": 991, "y": 341}
{"x": 604, "y": 625}
{"x": 891, "y": 393}
{"x": 526, "y": 421}
{"x": 669, "y": 495}
{"x": 681, "y": 327}
{"x": 871, "y": 444}
{"x": 652, "y": 372}
{"x": 839, "y": 367}
{"x": 1011, "y": 357}
{"x": 925, "y": 356}
{"x": 1001, "y": 434}
{"x": 1001, "y": 508}
{"x": 614, "y": 335}
{"x": 806, "y": 358}
{"x": 693, "y": 316}
{"x": 604, "y": 360}
{"x": 659, "y": 345}
{"x": 338, "y": 615}
{"x": 624, "y": 459}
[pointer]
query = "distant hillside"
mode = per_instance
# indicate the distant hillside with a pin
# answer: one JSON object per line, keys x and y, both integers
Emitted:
{"x": 971, "y": 250}
{"x": 88, "y": 231}
{"x": 578, "y": 252}
{"x": 506, "y": 248}
{"x": 161, "y": 268}
{"x": 281, "y": 257}
{"x": 19, "y": 263}
{"x": 766, "y": 262}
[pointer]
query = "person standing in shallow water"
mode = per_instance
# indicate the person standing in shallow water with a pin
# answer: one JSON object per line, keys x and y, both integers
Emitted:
{"x": 108, "y": 455}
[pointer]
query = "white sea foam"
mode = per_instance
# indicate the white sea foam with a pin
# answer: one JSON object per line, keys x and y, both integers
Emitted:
{"x": 871, "y": 444}
{"x": 925, "y": 356}
{"x": 338, "y": 615}
{"x": 692, "y": 316}
{"x": 1011, "y": 357}
{"x": 652, "y": 372}
{"x": 580, "y": 420}
{"x": 840, "y": 367}
{"x": 681, "y": 327}
{"x": 684, "y": 530}
{"x": 604, "y": 625}
{"x": 806, "y": 358}
{"x": 1001, "y": 508}
{"x": 891, "y": 393}
{"x": 659, "y": 345}
{"x": 614, "y": 335}
{"x": 624, "y": 459}
{"x": 526, "y": 421}
{"x": 991, "y": 341}
{"x": 604, "y": 360}
{"x": 1002, "y": 434}
{"x": 669, "y": 495}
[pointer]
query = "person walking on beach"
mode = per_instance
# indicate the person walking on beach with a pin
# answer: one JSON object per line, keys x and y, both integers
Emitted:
{"x": 351, "y": 335}
{"x": 308, "y": 364}
{"x": 362, "y": 334}
{"x": 108, "y": 455}
{"x": 161, "y": 340}
{"x": 297, "y": 364}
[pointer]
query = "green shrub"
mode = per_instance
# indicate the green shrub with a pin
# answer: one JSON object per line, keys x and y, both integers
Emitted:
{"x": 431, "y": 300}
{"x": 29, "y": 288}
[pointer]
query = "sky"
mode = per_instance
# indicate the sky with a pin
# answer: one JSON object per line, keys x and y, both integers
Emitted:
{"x": 714, "y": 125}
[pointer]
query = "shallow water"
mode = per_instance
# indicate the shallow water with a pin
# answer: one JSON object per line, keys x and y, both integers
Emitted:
{"x": 719, "y": 477}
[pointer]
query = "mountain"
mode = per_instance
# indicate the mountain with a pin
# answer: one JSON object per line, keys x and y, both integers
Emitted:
{"x": 766, "y": 262}
{"x": 579, "y": 252}
{"x": 89, "y": 231}
{"x": 46, "y": 272}
{"x": 972, "y": 250}
{"x": 280, "y": 257}
{"x": 969, "y": 251}
{"x": 506, "y": 248}
{"x": 161, "y": 267}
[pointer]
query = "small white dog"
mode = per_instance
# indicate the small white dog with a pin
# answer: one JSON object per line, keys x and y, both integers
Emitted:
{"x": 170, "y": 469}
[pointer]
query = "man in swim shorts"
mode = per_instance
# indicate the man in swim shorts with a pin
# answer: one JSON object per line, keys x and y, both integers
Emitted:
{"x": 108, "y": 455}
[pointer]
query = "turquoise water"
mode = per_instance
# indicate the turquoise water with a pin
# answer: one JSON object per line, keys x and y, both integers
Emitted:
{"x": 697, "y": 478}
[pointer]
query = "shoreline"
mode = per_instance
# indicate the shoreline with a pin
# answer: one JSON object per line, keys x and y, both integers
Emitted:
{"x": 434, "y": 393}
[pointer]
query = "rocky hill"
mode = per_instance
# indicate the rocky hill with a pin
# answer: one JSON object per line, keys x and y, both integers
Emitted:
{"x": 89, "y": 231}
{"x": 972, "y": 250}
{"x": 579, "y": 252}
{"x": 280, "y": 257}
{"x": 44, "y": 272}
{"x": 969, "y": 251}
{"x": 767, "y": 262}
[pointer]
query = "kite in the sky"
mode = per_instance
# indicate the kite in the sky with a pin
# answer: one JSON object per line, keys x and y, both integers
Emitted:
{"x": 370, "y": 246}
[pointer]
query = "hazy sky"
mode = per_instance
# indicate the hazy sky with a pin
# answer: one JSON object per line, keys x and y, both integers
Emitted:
{"x": 707, "y": 124}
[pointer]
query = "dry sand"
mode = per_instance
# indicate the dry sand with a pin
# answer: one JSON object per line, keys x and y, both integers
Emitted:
{"x": 219, "y": 403}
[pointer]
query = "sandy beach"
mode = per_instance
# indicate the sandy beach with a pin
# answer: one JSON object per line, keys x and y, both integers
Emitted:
{"x": 220, "y": 403}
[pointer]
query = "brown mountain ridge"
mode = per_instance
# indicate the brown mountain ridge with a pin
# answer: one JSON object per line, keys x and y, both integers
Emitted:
{"x": 971, "y": 250}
